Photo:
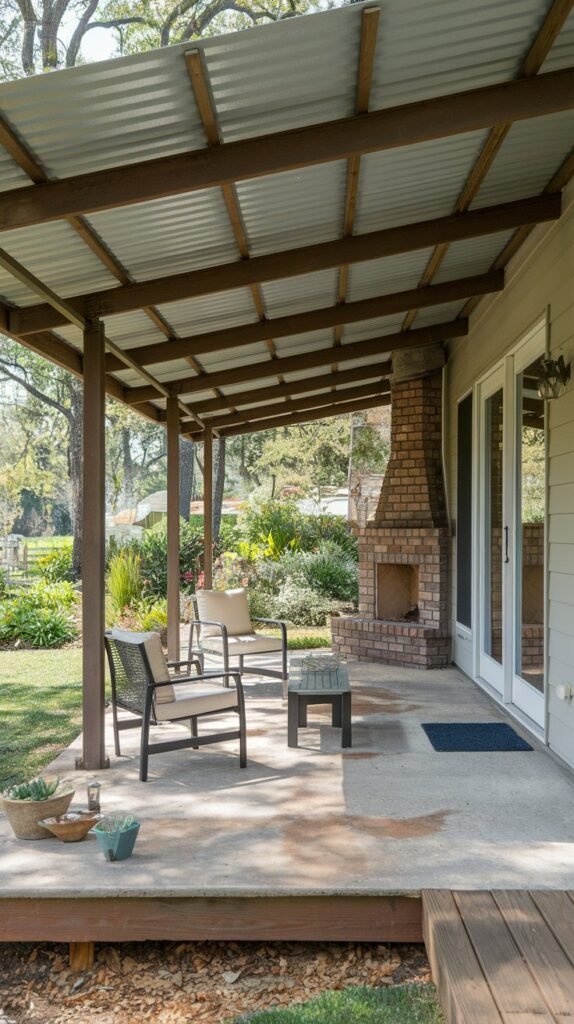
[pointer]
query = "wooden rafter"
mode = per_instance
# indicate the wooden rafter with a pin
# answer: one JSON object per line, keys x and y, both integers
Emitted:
{"x": 335, "y": 408}
{"x": 374, "y": 348}
{"x": 531, "y": 65}
{"x": 317, "y": 319}
{"x": 288, "y": 390}
{"x": 393, "y": 127}
{"x": 304, "y": 260}
{"x": 369, "y": 28}
{"x": 208, "y": 114}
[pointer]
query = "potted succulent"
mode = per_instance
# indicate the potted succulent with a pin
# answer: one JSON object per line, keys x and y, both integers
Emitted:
{"x": 27, "y": 803}
{"x": 117, "y": 836}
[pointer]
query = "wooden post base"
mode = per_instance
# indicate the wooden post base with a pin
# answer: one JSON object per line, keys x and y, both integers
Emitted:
{"x": 81, "y": 956}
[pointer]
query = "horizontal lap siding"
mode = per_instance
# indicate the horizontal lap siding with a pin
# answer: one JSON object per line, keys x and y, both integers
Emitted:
{"x": 541, "y": 276}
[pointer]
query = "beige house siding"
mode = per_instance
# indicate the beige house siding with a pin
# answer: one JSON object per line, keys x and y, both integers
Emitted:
{"x": 541, "y": 276}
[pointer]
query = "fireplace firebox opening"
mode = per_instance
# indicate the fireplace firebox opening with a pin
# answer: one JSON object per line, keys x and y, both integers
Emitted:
{"x": 397, "y": 592}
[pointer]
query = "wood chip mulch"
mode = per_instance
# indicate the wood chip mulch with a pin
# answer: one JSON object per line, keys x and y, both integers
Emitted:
{"x": 199, "y": 982}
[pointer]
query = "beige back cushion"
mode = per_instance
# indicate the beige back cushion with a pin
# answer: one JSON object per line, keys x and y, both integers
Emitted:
{"x": 156, "y": 658}
{"x": 227, "y": 606}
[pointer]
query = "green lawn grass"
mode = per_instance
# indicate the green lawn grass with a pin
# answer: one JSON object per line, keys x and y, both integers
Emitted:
{"x": 403, "y": 1004}
{"x": 40, "y": 709}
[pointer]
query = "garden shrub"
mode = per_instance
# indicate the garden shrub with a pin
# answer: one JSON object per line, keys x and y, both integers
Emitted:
{"x": 57, "y": 566}
{"x": 301, "y": 606}
{"x": 40, "y": 617}
{"x": 154, "y": 618}
{"x": 333, "y": 572}
{"x": 153, "y": 552}
{"x": 124, "y": 579}
{"x": 281, "y": 520}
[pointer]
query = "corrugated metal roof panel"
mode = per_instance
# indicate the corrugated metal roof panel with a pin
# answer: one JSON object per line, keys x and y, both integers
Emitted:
{"x": 106, "y": 114}
{"x": 429, "y": 49}
{"x": 169, "y": 235}
{"x": 230, "y": 359}
{"x": 531, "y": 154}
{"x": 11, "y": 175}
{"x": 365, "y": 329}
{"x": 438, "y": 314}
{"x": 210, "y": 312}
{"x": 299, "y": 343}
{"x": 294, "y": 208}
{"x": 471, "y": 256}
{"x": 58, "y": 257}
{"x": 384, "y": 276}
{"x": 300, "y": 294}
{"x": 414, "y": 183}
{"x": 267, "y": 80}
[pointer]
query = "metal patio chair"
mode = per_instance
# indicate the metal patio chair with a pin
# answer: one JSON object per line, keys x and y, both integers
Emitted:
{"x": 223, "y": 627}
{"x": 142, "y": 685}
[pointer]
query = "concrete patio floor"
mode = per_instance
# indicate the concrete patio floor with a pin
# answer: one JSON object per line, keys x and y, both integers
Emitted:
{"x": 388, "y": 816}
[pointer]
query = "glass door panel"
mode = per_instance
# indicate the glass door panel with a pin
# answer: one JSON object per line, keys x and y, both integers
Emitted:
{"x": 494, "y": 538}
{"x": 530, "y": 497}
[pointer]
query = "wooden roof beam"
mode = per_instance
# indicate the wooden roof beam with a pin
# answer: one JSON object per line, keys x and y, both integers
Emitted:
{"x": 372, "y": 348}
{"x": 440, "y": 117}
{"x": 335, "y": 409}
{"x": 293, "y": 262}
{"x": 317, "y": 319}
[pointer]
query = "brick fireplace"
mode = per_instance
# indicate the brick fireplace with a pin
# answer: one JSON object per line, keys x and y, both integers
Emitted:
{"x": 404, "y": 550}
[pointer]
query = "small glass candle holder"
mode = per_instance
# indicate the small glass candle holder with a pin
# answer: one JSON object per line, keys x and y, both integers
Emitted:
{"x": 94, "y": 796}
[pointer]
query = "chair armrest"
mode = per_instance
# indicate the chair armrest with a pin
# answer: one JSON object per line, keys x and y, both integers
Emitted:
{"x": 217, "y": 674}
{"x": 273, "y": 622}
{"x": 185, "y": 661}
{"x": 209, "y": 622}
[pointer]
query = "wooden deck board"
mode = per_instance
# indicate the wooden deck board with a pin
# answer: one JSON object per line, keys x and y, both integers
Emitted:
{"x": 545, "y": 957}
{"x": 502, "y": 955}
{"x": 463, "y": 991}
{"x": 509, "y": 979}
{"x": 557, "y": 909}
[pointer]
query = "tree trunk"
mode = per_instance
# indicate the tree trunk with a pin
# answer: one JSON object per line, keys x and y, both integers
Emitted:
{"x": 186, "y": 467}
{"x": 75, "y": 462}
{"x": 219, "y": 488}
{"x": 128, "y": 481}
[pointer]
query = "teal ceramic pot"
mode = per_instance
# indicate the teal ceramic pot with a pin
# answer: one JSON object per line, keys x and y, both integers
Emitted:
{"x": 118, "y": 845}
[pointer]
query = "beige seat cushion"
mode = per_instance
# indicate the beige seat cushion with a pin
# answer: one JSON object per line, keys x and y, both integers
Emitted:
{"x": 228, "y": 606}
{"x": 251, "y": 643}
{"x": 197, "y": 699}
{"x": 156, "y": 658}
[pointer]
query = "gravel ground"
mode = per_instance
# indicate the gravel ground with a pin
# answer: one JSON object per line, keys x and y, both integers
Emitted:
{"x": 203, "y": 983}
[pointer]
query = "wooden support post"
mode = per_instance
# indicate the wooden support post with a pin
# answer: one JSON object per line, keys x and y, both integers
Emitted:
{"x": 93, "y": 548}
{"x": 208, "y": 507}
{"x": 81, "y": 957}
{"x": 173, "y": 613}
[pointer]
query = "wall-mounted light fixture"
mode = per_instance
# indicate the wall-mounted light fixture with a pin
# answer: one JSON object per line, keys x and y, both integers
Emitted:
{"x": 553, "y": 377}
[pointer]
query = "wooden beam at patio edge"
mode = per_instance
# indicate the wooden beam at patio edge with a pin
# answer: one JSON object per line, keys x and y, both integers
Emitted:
{"x": 315, "y": 320}
{"x": 337, "y": 409}
{"x": 372, "y": 347}
{"x": 439, "y": 117}
{"x": 294, "y": 262}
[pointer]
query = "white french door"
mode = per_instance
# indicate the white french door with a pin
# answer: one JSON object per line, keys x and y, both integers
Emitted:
{"x": 511, "y": 541}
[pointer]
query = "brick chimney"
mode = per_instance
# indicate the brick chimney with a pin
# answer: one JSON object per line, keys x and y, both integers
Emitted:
{"x": 404, "y": 550}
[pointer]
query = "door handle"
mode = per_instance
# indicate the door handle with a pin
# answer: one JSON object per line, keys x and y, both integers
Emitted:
{"x": 506, "y": 556}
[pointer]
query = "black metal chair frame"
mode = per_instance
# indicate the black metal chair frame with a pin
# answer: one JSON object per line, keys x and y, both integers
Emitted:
{"x": 196, "y": 653}
{"x": 138, "y": 697}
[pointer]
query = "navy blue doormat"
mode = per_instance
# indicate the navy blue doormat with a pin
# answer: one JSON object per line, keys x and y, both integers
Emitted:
{"x": 474, "y": 736}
